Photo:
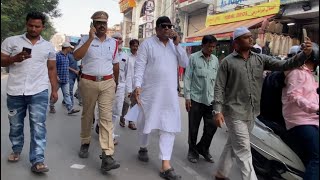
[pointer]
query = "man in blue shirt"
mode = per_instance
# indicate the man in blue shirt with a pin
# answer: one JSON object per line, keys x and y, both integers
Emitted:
{"x": 63, "y": 78}
{"x": 73, "y": 73}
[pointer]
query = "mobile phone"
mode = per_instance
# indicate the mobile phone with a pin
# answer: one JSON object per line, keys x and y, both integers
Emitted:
{"x": 91, "y": 24}
{"x": 304, "y": 32}
{"x": 28, "y": 50}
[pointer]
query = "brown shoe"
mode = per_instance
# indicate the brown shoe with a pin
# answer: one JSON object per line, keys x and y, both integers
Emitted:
{"x": 132, "y": 126}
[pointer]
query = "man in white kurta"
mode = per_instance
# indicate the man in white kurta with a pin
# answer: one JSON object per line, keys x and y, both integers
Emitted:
{"x": 155, "y": 79}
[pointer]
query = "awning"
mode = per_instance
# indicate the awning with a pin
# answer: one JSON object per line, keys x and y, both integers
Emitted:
{"x": 224, "y": 30}
{"x": 186, "y": 44}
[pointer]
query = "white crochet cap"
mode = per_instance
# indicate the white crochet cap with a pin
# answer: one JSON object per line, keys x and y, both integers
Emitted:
{"x": 117, "y": 35}
{"x": 294, "y": 49}
{"x": 240, "y": 31}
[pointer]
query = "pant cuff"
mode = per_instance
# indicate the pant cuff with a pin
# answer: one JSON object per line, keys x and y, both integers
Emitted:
{"x": 108, "y": 152}
{"x": 164, "y": 158}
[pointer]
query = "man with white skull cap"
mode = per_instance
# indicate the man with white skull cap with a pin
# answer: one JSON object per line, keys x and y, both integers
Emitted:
{"x": 237, "y": 98}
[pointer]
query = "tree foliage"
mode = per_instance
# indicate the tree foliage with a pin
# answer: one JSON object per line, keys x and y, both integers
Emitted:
{"x": 14, "y": 12}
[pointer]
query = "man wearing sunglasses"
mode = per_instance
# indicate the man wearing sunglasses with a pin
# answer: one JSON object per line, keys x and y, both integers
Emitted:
{"x": 155, "y": 79}
{"x": 97, "y": 84}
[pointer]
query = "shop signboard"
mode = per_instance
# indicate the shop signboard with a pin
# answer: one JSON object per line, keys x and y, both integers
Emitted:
{"x": 292, "y": 1}
{"x": 261, "y": 10}
{"x": 226, "y": 5}
{"x": 126, "y": 4}
{"x": 220, "y": 37}
{"x": 146, "y": 21}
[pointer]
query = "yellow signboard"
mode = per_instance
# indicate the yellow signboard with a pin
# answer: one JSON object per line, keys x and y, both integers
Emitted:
{"x": 126, "y": 4}
{"x": 244, "y": 14}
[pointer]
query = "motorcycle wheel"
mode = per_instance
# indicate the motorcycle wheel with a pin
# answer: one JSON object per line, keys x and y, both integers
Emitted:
{"x": 264, "y": 167}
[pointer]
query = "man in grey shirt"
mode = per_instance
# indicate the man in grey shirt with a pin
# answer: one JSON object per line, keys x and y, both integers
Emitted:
{"x": 237, "y": 98}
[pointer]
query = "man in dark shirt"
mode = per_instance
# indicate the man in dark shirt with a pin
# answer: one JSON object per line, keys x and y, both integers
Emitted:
{"x": 237, "y": 98}
{"x": 63, "y": 77}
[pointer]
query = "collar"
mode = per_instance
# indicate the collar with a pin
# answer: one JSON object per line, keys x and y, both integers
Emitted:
{"x": 202, "y": 55}
{"x": 157, "y": 39}
{"x": 24, "y": 36}
{"x": 107, "y": 38}
{"x": 235, "y": 53}
{"x": 60, "y": 52}
{"x": 133, "y": 54}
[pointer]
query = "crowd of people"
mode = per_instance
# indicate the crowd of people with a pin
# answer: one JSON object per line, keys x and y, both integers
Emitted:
{"x": 111, "y": 81}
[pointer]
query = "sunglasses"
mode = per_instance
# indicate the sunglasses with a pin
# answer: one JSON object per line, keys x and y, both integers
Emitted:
{"x": 169, "y": 26}
{"x": 100, "y": 23}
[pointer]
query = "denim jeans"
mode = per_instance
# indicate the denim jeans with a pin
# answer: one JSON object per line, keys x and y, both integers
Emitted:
{"x": 37, "y": 105}
{"x": 304, "y": 140}
{"x": 66, "y": 96}
{"x": 71, "y": 85}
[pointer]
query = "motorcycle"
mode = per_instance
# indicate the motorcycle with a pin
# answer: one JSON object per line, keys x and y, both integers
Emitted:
{"x": 271, "y": 156}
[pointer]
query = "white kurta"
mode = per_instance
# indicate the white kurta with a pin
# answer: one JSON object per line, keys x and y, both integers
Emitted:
{"x": 130, "y": 73}
{"x": 120, "y": 93}
{"x": 155, "y": 71}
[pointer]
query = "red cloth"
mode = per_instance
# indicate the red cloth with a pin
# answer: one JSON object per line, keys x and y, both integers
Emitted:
{"x": 180, "y": 71}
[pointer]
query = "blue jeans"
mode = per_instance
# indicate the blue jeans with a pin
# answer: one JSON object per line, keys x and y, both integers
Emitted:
{"x": 71, "y": 85}
{"x": 37, "y": 105}
{"x": 66, "y": 96}
{"x": 304, "y": 140}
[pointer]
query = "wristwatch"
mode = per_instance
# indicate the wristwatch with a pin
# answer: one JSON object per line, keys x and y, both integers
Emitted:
{"x": 215, "y": 112}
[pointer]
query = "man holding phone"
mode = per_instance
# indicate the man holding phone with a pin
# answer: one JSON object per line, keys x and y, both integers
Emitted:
{"x": 98, "y": 84}
{"x": 27, "y": 88}
{"x": 237, "y": 95}
{"x": 155, "y": 79}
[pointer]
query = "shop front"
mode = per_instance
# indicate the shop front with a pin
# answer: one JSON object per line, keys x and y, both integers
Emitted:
{"x": 222, "y": 25}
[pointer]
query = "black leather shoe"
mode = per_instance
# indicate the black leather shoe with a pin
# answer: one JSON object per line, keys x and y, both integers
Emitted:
{"x": 193, "y": 157}
{"x": 170, "y": 175}
{"x": 207, "y": 156}
{"x": 108, "y": 163}
{"x": 143, "y": 155}
{"x": 84, "y": 151}
{"x": 97, "y": 129}
{"x": 218, "y": 178}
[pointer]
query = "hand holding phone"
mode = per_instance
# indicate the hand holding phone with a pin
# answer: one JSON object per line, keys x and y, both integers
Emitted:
{"x": 92, "y": 31}
{"x": 25, "y": 54}
{"x": 28, "y": 50}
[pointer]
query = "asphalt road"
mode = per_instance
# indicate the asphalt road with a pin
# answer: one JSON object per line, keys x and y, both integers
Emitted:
{"x": 63, "y": 144}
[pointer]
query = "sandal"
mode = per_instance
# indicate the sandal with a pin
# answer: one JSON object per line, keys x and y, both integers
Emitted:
{"x": 132, "y": 126}
{"x": 14, "y": 157}
{"x": 170, "y": 175}
{"x": 39, "y": 167}
{"x": 122, "y": 123}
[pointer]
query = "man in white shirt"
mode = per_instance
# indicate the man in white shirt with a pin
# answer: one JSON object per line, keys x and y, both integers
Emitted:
{"x": 129, "y": 99}
{"x": 155, "y": 79}
{"x": 31, "y": 61}
{"x": 97, "y": 84}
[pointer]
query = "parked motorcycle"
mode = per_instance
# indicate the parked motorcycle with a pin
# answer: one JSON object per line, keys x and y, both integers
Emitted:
{"x": 272, "y": 157}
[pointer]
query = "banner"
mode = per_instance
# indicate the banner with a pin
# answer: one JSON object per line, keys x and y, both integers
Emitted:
{"x": 126, "y": 4}
{"x": 244, "y": 14}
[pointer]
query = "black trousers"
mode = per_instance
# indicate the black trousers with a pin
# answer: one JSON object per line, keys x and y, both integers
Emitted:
{"x": 197, "y": 112}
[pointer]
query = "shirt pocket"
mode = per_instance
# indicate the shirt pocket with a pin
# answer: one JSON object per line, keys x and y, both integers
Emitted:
{"x": 257, "y": 71}
{"x": 200, "y": 72}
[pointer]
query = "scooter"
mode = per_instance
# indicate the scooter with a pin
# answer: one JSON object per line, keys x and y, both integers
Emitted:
{"x": 272, "y": 157}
